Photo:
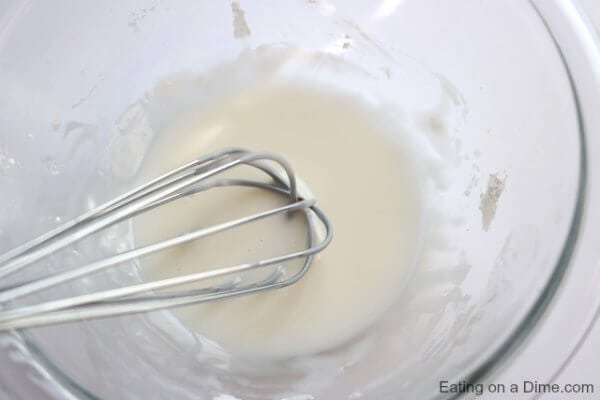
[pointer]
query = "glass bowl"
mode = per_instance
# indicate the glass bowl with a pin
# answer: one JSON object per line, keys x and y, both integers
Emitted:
{"x": 499, "y": 91}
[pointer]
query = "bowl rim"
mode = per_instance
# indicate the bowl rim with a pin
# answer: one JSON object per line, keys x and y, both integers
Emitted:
{"x": 516, "y": 340}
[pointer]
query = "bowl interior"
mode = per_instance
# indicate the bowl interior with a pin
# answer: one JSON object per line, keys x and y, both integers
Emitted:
{"x": 481, "y": 84}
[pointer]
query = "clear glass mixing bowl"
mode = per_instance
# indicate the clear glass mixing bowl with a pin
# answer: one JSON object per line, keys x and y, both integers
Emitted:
{"x": 75, "y": 123}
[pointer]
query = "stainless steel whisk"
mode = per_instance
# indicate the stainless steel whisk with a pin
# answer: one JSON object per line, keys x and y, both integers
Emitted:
{"x": 202, "y": 174}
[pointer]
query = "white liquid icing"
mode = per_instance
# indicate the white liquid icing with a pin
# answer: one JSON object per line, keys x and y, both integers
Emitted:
{"x": 359, "y": 166}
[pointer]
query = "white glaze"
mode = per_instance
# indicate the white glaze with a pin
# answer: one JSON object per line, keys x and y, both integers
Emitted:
{"x": 375, "y": 207}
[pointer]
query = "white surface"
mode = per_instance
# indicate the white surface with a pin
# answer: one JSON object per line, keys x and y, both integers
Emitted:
{"x": 585, "y": 368}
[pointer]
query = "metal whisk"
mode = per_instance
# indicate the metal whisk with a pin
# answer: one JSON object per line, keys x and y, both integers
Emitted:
{"x": 202, "y": 174}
